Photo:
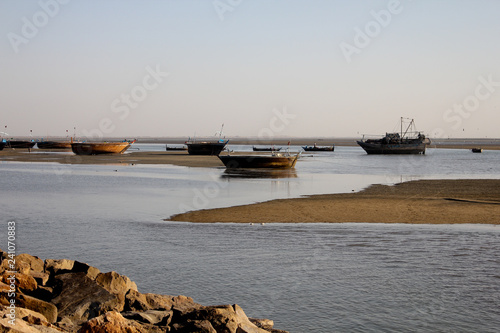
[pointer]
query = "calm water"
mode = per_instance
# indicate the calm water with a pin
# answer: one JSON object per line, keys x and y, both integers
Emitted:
{"x": 306, "y": 277}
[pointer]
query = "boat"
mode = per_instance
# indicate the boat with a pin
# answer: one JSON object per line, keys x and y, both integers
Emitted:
{"x": 209, "y": 147}
{"x": 98, "y": 148}
{"x": 54, "y": 145}
{"x": 408, "y": 141}
{"x": 265, "y": 148}
{"x": 477, "y": 150}
{"x": 176, "y": 148}
{"x": 20, "y": 144}
{"x": 2, "y": 145}
{"x": 274, "y": 161}
{"x": 206, "y": 147}
{"x": 317, "y": 148}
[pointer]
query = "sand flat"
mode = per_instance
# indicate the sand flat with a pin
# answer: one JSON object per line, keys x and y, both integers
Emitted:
{"x": 423, "y": 201}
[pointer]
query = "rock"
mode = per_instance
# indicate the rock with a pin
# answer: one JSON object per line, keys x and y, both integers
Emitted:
{"x": 41, "y": 278}
{"x": 82, "y": 267}
{"x": 266, "y": 324}
{"x": 35, "y": 264}
{"x": 80, "y": 298}
{"x": 48, "y": 310}
{"x": 153, "y": 317}
{"x": 23, "y": 281}
{"x": 114, "y": 322}
{"x": 58, "y": 266}
{"x": 32, "y": 325}
{"x": 115, "y": 283}
{"x": 184, "y": 304}
{"x": 223, "y": 318}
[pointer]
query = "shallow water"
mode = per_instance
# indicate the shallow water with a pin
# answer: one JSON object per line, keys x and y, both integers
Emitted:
{"x": 306, "y": 277}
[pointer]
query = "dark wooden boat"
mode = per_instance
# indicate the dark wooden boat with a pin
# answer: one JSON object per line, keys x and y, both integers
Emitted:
{"x": 54, "y": 145}
{"x": 20, "y": 144}
{"x": 477, "y": 150}
{"x": 265, "y": 148}
{"x": 206, "y": 147}
{"x": 317, "y": 148}
{"x": 97, "y": 148}
{"x": 275, "y": 161}
{"x": 405, "y": 142}
{"x": 2, "y": 145}
{"x": 175, "y": 148}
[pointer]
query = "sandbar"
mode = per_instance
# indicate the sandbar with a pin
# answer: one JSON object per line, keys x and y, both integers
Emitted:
{"x": 129, "y": 158}
{"x": 423, "y": 201}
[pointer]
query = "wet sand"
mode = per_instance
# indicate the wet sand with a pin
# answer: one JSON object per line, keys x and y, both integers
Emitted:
{"x": 423, "y": 201}
{"x": 133, "y": 157}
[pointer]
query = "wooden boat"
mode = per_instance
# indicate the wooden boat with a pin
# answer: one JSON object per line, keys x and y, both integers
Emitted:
{"x": 97, "y": 148}
{"x": 175, "y": 148}
{"x": 405, "y": 142}
{"x": 317, "y": 148}
{"x": 275, "y": 161}
{"x": 54, "y": 145}
{"x": 20, "y": 144}
{"x": 206, "y": 147}
{"x": 477, "y": 150}
{"x": 265, "y": 148}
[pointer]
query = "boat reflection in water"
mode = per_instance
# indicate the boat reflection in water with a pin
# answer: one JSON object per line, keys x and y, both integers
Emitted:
{"x": 259, "y": 173}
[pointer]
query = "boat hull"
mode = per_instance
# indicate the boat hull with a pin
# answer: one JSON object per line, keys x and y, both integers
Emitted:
{"x": 257, "y": 162}
{"x": 205, "y": 148}
{"x": 53, "y": 145}
{"x": 403, "y": 148}
{"x": 20, "y": 144}
{"x": 98, "y": 148}
{"x": 266, "y": 149}
{"x": 306, "y": 148}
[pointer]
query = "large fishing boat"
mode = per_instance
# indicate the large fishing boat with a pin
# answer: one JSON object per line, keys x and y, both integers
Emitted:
{"x": 274, "y": 161}
{"x": 407, "y": 141}
{"x": 97, "y": 148}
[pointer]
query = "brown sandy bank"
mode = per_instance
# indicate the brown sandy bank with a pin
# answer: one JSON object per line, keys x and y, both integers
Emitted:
{"x": 423, "y": 201}
{"x": 134, "y": 157}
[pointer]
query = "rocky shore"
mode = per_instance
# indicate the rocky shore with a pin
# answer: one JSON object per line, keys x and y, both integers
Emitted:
{"x": 69, "y": 296}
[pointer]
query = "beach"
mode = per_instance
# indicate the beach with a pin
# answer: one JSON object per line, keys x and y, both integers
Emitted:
{"x": 422, "y": 201}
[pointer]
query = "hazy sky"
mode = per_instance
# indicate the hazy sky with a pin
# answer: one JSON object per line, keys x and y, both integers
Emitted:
{"x": 284, "y": 68}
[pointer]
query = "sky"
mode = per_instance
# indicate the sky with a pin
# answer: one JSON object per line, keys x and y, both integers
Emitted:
{"x": 282, "y": 68}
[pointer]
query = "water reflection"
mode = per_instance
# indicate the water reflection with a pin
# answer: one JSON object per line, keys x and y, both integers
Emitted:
{"x": 259, "y": 173}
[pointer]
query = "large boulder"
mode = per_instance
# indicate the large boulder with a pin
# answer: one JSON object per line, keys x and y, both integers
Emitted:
{"x": 115, "y": 283}
{"x": 222, "y": 318}
{"x": 79, "y": 298}
{"x": 34, "y": 263}
{"x": 58, "y": 266}
{"x": 114, "y": 322}
{"x": 48, "y": 310}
